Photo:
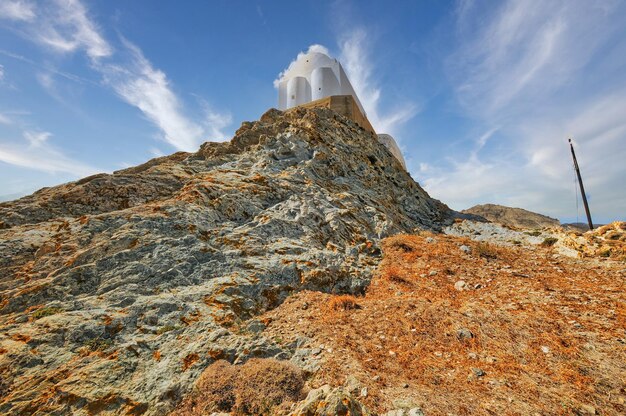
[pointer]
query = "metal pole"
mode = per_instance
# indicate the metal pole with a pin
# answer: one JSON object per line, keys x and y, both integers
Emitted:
{"x": 582, "y": 188}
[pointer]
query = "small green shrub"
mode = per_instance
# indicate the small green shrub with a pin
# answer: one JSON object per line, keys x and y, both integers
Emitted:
{"x": 533, "y": 233}
{"x": 166, "y": 328}
{"x": 47, "y": 311}
{"x": 549, "y": 241}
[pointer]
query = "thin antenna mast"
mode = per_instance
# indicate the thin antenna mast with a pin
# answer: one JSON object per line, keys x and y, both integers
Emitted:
{"x": 582, "y": 188}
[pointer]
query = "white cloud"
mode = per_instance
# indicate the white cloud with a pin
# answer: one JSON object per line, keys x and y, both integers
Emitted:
{"x": 522, "y": 52}
{"x": 17, "y": 10}
{"x": 215, "y": 123}
{"x": 67, "y": 28}
{"x": 38, "y": 154}
{"x": 4, "y": 119}
{"x": 1, "y": 73}
{"x": 537, "y": 71}
{"x": 36, "y": 139}
{"x": 356, "y": 60}
{"x": 141, "y": 85}
{"x": 156, "y": 152}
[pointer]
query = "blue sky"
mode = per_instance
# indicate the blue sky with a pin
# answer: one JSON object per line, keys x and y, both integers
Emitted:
{"x": 480, "y": 95}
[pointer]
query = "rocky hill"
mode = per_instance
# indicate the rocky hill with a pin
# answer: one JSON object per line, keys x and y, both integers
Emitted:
{"x": 512, "y": 217}
{"x": 117, "y": 291}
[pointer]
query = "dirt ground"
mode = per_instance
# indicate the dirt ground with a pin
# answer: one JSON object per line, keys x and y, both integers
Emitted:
{"x": 458, "y": 327}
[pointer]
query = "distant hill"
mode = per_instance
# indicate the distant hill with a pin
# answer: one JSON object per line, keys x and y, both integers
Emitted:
{"x": 512, "y": 217}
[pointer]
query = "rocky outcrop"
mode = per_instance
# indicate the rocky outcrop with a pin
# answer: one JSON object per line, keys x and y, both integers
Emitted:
{"x": 512, "y": 217}
{"x": 328, "y": 401}
{"x": 118, "y": 290}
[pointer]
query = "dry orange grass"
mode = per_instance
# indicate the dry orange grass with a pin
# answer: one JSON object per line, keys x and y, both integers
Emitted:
{"x": 342, "y": 303}
{"x": 548, "y": 332}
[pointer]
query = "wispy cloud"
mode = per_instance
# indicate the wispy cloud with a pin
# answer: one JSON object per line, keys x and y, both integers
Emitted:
{"x": 522, "y": 52}
{"x": 355, "y": 47}
{"x": 141, "y": 85}
{"x": 17, "y": 10}
{"x": 35, "y": 152}
{"x": 36, "y": 138}
{"x": 66, "y": 27}
{"x": 528, "y": 73}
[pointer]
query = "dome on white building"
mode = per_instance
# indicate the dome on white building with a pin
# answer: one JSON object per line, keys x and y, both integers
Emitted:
{"x": 315, "y": 75}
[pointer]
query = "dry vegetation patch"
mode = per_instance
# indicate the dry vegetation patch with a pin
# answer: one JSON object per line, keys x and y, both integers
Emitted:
{"x": 343, "y": 302}
{"x": 255, "y": 388}
{"x": 529, "y": 332}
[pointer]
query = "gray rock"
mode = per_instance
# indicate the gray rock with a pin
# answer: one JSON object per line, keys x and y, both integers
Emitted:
{"x": 460, "y": 285}
{"x": 256, "y": 326}
{"x": 305, "y": 358}
{"x": 465, "y": 249}
{"x": 328, "y": 401}
{"x": 464, "y": 334}
{"x": 352, "y": 385}
{"x": 415, "y": 411}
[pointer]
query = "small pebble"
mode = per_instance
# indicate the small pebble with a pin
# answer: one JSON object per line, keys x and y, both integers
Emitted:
{"x": 464, "y": 334}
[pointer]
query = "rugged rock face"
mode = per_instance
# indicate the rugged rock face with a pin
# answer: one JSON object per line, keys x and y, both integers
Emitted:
{"x": 512, "y": 217}
{"x": 117, "y": 290}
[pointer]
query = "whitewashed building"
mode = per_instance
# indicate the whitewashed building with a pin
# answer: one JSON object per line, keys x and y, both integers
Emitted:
{"x": 314, "y": 76}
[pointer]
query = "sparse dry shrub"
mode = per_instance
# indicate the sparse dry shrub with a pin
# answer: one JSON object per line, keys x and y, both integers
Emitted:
{"x": 549, "y": 241}
{"x": 263, "y": 384}
{"x": 213, "y": 392}
{"x": 342, "y": 303}
{"x": 393, "y": 273}
{"x": 254, "y": 388}
{"x": 402, "y": 242}
{"x": 486, "y": 251}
